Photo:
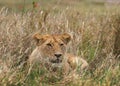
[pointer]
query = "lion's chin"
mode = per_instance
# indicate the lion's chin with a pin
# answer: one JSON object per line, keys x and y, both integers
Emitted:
{"x": 56, "y": 61}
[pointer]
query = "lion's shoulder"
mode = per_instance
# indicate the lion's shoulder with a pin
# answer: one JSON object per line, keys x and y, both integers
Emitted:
{"x": 75, "y": 61}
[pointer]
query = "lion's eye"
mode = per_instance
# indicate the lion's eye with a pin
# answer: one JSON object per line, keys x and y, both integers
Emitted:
{"x": 61, "y": 44}
{"x": 49, "y": 44}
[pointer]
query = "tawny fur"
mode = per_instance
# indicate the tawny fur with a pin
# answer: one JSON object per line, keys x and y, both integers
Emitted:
{"x": 48, "y": 46}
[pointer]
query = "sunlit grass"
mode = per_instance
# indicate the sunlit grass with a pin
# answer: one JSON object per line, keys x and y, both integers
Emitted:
{"x": 93, "y": 36}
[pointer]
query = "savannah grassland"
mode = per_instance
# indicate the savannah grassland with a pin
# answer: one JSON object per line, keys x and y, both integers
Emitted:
{"x": 94, "y": 27}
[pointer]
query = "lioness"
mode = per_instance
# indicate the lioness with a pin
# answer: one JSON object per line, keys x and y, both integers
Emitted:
{"x": 51, "y": 50}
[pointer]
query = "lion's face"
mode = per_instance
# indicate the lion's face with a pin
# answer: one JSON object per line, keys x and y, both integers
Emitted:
{"x": 52, "y": 47}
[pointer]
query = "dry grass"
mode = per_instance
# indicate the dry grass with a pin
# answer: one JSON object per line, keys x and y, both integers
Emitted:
{"x": 93, "y": 38}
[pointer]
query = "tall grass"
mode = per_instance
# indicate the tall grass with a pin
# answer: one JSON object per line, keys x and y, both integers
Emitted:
{"x": 93, "y": 38}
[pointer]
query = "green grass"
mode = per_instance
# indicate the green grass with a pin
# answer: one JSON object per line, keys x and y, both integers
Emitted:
{"x": 93, "y": 29}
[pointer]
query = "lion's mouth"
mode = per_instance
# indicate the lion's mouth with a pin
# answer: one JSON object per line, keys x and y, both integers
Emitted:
{"x": 56, "y": 61}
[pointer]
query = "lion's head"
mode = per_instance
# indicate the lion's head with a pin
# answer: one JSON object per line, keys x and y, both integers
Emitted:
{"x": 52, "y": 47}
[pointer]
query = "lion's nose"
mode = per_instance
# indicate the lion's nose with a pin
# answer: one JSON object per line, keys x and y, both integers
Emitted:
{"x": 58, "y": 55}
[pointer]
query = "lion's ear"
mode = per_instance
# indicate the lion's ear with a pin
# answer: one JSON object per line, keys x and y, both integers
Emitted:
{"x": 38, "y": 38}
{"x": 66, "y": 38}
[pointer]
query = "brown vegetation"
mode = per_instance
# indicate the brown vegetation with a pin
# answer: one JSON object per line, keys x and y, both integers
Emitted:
{"x": 94, "y": 37}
